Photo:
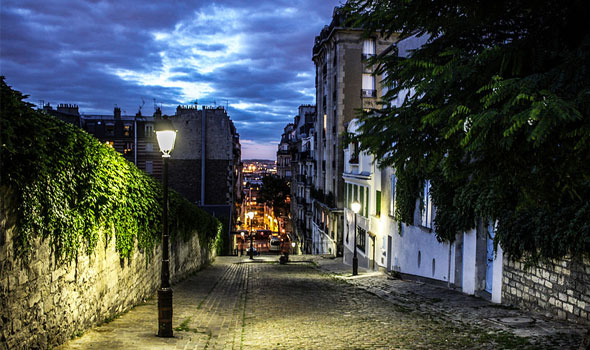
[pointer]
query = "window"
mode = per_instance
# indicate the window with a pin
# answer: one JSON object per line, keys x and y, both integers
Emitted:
{"x": 91, "y": 127}
{"x": 149, "y": 147}
{"x": 361, "y": 197}
{"x": 378, "y": 203}
{"x": 368, "y": 89}
{"x": 110, "y": 129}
{"x": 356, "y": 197}
{"x": 126, "y": 129}
{"x": 349, "y": 190}
{"x": 368, "y": 48}
{"x": 149, "y": 130}
{"x": 128, "y": 147}
{"x": 367, "y": 204}
{"x": 427, "y": 206}
{"x": 149, "y": 166}
{"x": 392, "y": 197}
{"x": 361, "y": 238}
{"x": 368, "y": 82}
{"x": 354, "y": 152}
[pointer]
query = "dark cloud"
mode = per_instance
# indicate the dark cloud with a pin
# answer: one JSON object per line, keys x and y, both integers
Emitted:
{"x": 254, "y": 54}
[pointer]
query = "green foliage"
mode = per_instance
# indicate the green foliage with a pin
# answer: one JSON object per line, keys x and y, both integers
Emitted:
{"x": 499, "y": 117}
{"x": 70, "y": 188}
{"x": 274, "y": 192}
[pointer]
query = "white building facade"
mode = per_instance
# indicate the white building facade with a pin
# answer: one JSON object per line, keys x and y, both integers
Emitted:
{"x": 469, "y": 263}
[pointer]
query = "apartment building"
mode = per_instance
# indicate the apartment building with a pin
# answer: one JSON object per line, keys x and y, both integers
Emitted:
{"x": 302, "y": 167}
{"x": 344, "y": 83}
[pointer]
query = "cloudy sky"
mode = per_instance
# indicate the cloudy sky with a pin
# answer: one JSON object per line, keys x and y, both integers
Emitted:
{"x": 255, "y": 54}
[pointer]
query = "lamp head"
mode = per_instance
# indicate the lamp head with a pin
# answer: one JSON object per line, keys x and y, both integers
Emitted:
{"x": 250, "y": 215}
{"x": 356, "y": 207}
{"x": 166, "y": 135}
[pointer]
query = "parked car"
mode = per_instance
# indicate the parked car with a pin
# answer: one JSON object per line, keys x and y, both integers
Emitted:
{"x": 275, "y": 244}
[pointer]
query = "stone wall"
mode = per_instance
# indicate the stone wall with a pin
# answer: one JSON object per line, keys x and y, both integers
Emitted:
{"x": 558, "y": 289}
{"x": 43, "y": 304}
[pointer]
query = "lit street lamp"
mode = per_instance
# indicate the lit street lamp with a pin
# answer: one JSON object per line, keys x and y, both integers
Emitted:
{"x": 251, "y": 216}
{"x": 356, "y": 207}
{"x": 166, "y": 135}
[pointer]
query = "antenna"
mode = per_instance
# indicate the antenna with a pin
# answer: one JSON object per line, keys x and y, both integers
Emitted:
{"x": 142, "y": 103}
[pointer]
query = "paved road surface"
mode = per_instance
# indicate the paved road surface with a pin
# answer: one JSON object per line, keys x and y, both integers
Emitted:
{"x": 314, "y": 303}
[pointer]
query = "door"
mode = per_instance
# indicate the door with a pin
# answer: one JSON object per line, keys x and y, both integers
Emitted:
{"x": 389, "y": 243}
{"x": 490, "y": 258}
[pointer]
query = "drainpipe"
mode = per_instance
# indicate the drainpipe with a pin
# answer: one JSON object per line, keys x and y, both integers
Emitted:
{"x": 135, "y": 141}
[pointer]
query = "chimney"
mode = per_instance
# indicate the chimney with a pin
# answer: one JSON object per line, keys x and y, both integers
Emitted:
{"x": 117, "y": 113}
{"x": 158, "y": 113}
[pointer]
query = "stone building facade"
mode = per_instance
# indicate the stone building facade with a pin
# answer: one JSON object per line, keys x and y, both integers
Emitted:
{"x": 206, "y": 160}
{"x": 302, "y": 168}
{"x": 344, "y": 84}
{"x": 283, "y": 153}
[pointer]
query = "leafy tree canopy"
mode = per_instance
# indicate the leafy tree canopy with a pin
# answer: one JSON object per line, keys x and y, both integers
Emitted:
{"x": 498, "y": 119}
{"x": 274, "y": 193}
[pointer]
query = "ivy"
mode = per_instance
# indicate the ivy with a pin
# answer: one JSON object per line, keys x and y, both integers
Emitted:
{"x": 71, "y": 189}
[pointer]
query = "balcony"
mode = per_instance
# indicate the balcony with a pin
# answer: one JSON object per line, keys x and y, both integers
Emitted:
{"x": 368, "y": 93}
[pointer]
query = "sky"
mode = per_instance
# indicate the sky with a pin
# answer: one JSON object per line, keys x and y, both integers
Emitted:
{"x": 252, "y": 56}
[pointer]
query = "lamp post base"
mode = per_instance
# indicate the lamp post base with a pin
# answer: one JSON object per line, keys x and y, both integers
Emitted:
{"x": 165, "y": 312}
{"x": 355, "y": 266}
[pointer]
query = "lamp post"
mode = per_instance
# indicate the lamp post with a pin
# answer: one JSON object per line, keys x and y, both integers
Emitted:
{"x": 356, "y": 207}
{"x": 238, "y": 224}
{"x": 251, "y": 216}
{"x": 166, "y": 135}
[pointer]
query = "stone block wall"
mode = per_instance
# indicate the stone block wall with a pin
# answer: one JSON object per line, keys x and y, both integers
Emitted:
{"x": 43, "y": 304}
{"x": 558, "y": 289}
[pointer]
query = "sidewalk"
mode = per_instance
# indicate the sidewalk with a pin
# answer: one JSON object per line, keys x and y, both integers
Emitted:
{"x": 429, "y": 298}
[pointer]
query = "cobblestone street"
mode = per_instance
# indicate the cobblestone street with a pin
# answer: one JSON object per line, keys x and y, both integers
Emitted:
{"x": 314, "y": 303}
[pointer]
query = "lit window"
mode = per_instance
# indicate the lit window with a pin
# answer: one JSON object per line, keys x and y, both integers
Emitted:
{"x": 126, "y": 129}
{"x": 128, "y": 147}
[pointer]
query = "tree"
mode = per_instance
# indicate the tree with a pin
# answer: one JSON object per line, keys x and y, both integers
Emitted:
{"x": 274, "y": 192}
{"x": 499, "y": 117}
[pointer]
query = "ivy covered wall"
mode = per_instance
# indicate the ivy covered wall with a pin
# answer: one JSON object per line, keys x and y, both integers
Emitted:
{"x": 69, "y": 187}
{"x": 80, "y": 230}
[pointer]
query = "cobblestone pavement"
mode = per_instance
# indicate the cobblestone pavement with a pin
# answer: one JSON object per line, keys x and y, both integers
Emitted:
{"x": 314, "y": 303}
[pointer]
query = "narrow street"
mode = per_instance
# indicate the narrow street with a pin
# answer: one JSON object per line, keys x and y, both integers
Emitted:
{"x": 314, "y": 303}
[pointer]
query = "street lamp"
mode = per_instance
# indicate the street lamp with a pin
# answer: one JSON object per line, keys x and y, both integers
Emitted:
{"x": 166, "y": 135}
{"x": 356, "y": 207}
{"x": 251, "y": 216}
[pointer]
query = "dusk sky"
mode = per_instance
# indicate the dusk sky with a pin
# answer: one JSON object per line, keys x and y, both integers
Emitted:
{"x": 98, "y": 54}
